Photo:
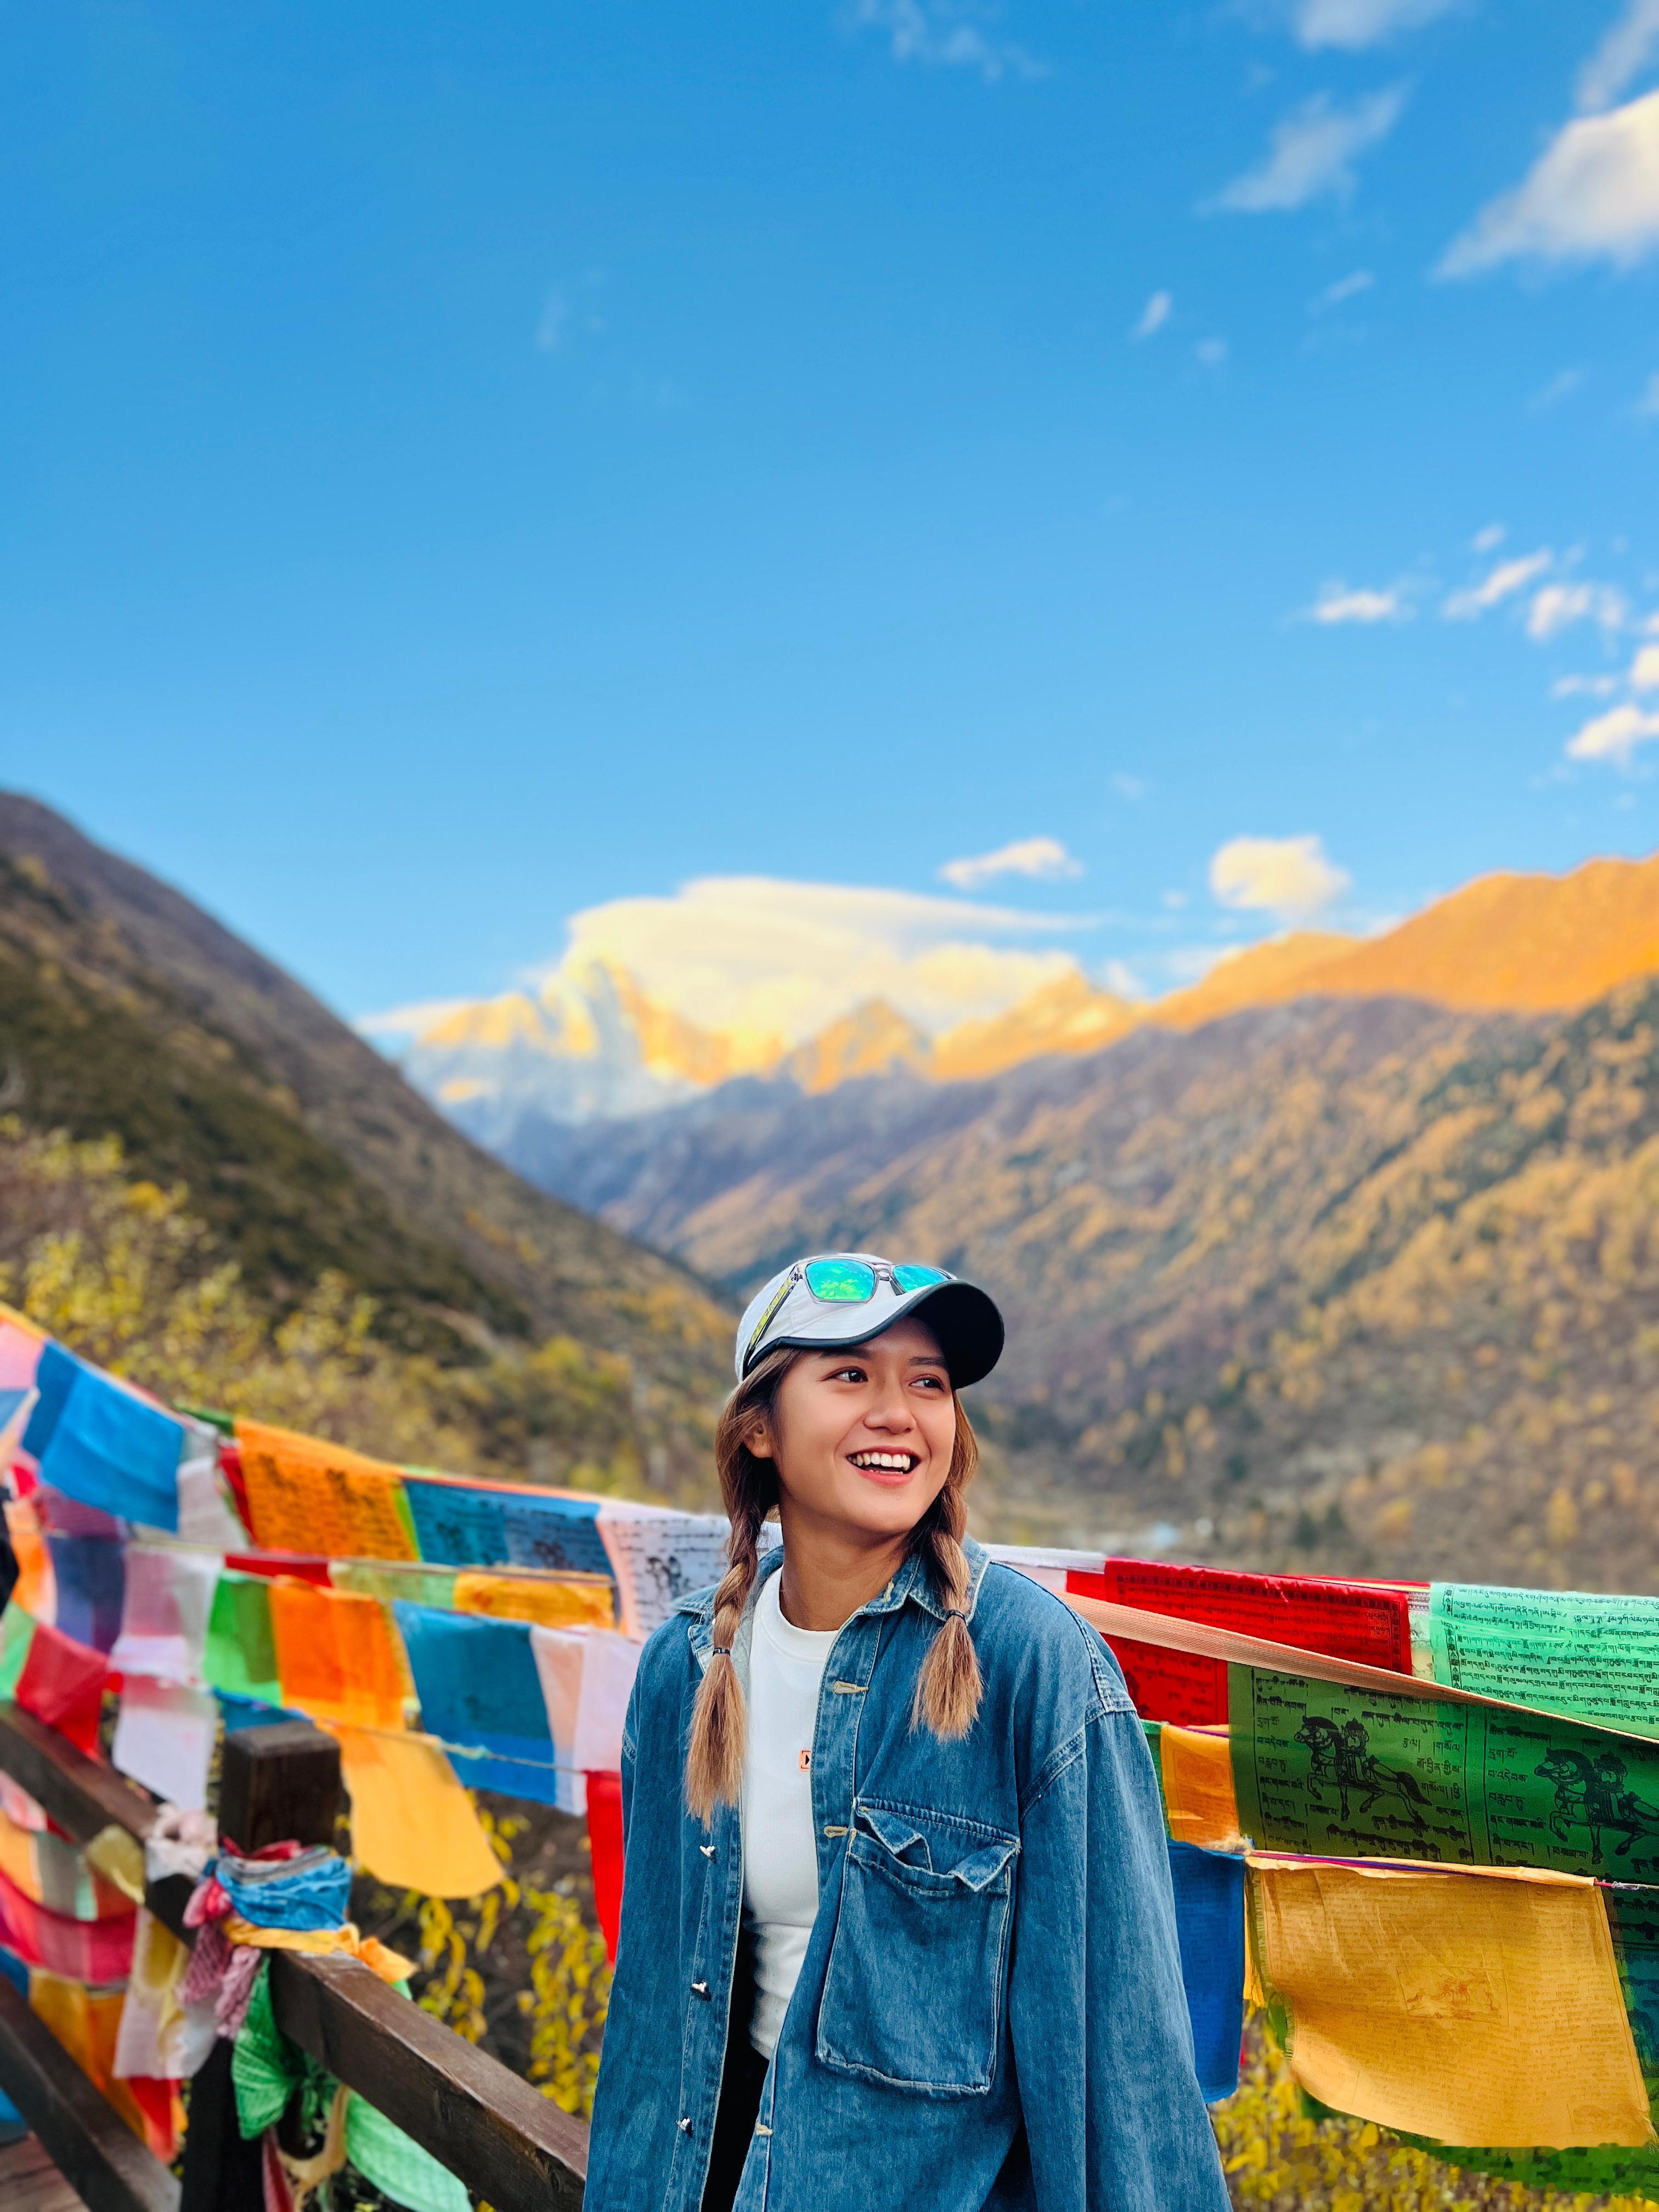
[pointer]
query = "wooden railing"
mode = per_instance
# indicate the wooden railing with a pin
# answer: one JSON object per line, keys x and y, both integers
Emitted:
{"x": 513, "y": 2148}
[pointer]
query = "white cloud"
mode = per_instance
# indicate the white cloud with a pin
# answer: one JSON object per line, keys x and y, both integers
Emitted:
{"x": 946, "y": 35}
{"x": 1592, "y": 194}
{"x": 1338, "y": 604}
{"x": 1649, "y": 402}
{"x": 1210, "y": 352}
{"x": 402, "y": 1024}
{"x": 1507, "y": 578}
{"x": 1312, "y": 152}
{"x": 1345, "y": 287}
{"x": 1622, "y": 55}
{"x": 1557, "y": 606}
{"x": 1584, "y": 687}
{"x": 1644, "y": 670}
{"x": 770, "y": 959}
{"x": 1353, "y": 25}
{"x": 1487, "y": 540}
{"x": 1290, "y": 877}
{"x": 1043, "y": 859}
{"x": 1613, "y": 736}
{"x": 1153, "y": 315}
{"x": 1561, "y": 386}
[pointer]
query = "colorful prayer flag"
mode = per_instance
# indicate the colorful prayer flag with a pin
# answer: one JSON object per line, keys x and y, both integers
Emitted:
{"x": 413, "y": 1826}
{"x": 1472, "y": 2006}
{"x": 480, "y": 1695}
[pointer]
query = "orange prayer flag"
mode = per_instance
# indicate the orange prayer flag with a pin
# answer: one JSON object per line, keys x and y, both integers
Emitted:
{"x": 336, "y": 1656}
{"x": 305, "y": 1495}
{"x": 578, "y": 1602}
{"x": 36, "y": 1588}
{"x": 1199, "y": 1802}
{"x": 413, "y": 1824}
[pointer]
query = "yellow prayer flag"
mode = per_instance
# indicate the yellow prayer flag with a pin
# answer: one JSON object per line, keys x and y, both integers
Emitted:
{"x": 337, "y": 1658}
{"x": 305, "y": 1495}
{"x": 413, "y": 1824}
{"x": 1472, "y": 2005}
{"x": 575, "y": 1601}
{"x": 1198, "y": 1799}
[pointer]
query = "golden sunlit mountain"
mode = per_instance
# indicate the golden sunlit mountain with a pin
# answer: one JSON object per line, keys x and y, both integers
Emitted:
{"x": 1525, "y": 944}
{"x": 874, "y": 1039}
{"x": 590, "y": 1044}
{"x": 1069, "y": 1016}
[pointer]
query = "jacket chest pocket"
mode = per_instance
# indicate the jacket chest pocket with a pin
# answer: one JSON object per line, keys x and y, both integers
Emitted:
{"x": 913, "y": 1994}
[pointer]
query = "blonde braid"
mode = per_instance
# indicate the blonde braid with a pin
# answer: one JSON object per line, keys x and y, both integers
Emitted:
{"x": 950, "y": 1686}
{"x": 714, "y": 1759}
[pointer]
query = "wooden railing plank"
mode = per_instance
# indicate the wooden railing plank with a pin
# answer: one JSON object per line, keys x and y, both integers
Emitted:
{"x": 512, "y": 2147}
{"x": 83, "y": 1796}
{"x": 515, "y": 2149}
{"x": 82, "y": 2134}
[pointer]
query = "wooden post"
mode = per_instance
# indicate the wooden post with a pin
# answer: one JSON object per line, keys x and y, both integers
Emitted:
{"x": 277, "y": 1784}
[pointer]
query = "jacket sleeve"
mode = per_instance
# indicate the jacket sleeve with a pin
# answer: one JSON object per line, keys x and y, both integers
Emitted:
{"x": 1102, "y": 2041}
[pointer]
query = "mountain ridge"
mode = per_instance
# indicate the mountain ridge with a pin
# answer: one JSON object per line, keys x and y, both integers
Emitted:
{"x": 590, "y": 1044}
{"x": 125, "y": 1010}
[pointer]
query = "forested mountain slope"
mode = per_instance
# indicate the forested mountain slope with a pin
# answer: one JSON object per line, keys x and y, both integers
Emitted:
{"x": 1368, "y": 1283}
{"x": 126, "y": 1012}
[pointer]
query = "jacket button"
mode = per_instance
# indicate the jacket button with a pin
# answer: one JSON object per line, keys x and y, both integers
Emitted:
{"x": 708, "y": 1849}
{"x": 685, "y": 2127}
{"x": 700, "y": 1989}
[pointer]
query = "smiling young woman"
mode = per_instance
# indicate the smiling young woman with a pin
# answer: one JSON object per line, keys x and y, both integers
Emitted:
{"x": 896, "y": 1927}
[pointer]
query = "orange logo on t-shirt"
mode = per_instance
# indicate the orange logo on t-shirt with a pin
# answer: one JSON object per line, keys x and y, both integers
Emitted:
{"x": 805, "y": 1761}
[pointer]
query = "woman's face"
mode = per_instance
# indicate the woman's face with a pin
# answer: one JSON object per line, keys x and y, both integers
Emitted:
{"x": 862, "y": 1436}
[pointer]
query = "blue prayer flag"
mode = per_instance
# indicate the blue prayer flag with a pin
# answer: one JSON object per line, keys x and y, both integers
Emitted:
{"x": 560, "y": 1534}
{"x": 478, "y": 1686}
{"x": 240, "y": 1712}
{"x": 1209, "y": 1899}
{"x": 13, "y": 2126}
{"x": 54, "y": 1377}
{"x": 111, "y": 1450}
{"x": 458, "y": 1527}
{"x": 90, "y": 1573}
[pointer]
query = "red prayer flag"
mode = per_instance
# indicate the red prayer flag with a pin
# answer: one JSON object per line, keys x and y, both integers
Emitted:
{"x": 604, "y": 1834}
{"x": 85, "y": 1950}
{"x": 63, "y": 1684}
{"x": 1369, "y": 1622}
{"x": 270, "y": 1565}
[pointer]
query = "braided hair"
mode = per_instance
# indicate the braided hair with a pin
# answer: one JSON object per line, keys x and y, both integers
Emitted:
{"x": 948, "y": 1689}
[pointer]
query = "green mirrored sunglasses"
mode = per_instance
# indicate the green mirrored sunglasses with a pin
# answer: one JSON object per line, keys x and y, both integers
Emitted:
{"x": 845, "y": 1282}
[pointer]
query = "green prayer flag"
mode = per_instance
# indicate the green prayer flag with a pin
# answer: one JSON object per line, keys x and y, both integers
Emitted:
{"x": 265, "y": 2068}
{"x": 1571, "y": 1651}
{"x": 240, "y": 1657}
{"x": 391, "y": 1579}
{"x": 16, "y": 1634}
{"x": 396, "y": 2165}
{"x": 1326, "y": 1771}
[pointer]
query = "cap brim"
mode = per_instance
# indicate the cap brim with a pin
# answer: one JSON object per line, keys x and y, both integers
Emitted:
{"x": 962, "y": 1318}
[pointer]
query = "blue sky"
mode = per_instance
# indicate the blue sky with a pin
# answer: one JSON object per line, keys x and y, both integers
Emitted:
{"x": 464, "y": 467}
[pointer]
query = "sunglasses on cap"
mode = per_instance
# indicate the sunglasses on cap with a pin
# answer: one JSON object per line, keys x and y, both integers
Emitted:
{"x": 844, "y": 1283}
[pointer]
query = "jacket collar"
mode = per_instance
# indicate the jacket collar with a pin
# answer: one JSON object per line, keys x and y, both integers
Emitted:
{"x": 910, "y": 1585}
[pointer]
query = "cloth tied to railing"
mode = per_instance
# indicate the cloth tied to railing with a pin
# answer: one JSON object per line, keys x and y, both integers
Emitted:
{"x": 268, "y": 2072}
{"x": 283, "y": 1898}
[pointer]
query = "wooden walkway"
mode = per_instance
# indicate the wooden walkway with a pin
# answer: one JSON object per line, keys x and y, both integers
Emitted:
{"x": 30, "y": 2182}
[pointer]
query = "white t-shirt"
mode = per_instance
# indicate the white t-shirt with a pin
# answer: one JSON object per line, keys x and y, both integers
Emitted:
{"x": 780, "y": 1855}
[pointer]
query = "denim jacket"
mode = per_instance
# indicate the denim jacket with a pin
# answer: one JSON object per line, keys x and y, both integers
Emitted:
{"x": 990, "y": 2011}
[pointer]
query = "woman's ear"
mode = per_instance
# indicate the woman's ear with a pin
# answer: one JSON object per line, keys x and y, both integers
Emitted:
{"x": 757, "y": 1441}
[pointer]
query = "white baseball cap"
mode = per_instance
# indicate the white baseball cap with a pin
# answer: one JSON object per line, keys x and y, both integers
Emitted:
{"x": 848, "y": 1297}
